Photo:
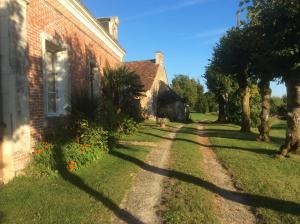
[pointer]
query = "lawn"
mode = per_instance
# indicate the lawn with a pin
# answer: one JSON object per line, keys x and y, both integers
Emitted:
{"x": 149, "y": 131}
{"x": 89, "y": 195}
{"x": 184, "y": 201}
{"x": 208, "y": 117}
{"x": 272, "y": 184}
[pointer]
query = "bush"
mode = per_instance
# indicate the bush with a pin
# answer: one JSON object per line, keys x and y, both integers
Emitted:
{"x": 83, "y": 106}
{"x": 278, "y": 106}
{"x": 128, "y": 126}
{"x": 75, "y": 153}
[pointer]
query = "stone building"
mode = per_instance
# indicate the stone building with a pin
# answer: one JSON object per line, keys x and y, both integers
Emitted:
{"x": 48, "y": 49}
{"x": 154, "y": 78}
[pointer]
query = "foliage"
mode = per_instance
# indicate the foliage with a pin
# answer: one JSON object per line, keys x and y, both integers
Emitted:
{"x": 89, "y": 145}
{"x": 278, "y": 106}
{"x": 121, "y": 90}
{"x": 217, "y": 82}
{"x": 233, "y": 110}
{"x": 232, "y": 55}
{"x": 187, "y": 88}
{"x": 128, "y": 126}
{"x": 83, "y": 106}
{"x": 191, "y": 91}
{"x": 278, "y": 22}
{"x": 211, "y": 102}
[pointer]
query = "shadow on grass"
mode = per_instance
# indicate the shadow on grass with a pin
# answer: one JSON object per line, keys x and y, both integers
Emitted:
{"x": 242, "y": 198}
{"x": 262, "y": 151}
{"x": 80, "y": 184}
{"x": 2, "y": 217}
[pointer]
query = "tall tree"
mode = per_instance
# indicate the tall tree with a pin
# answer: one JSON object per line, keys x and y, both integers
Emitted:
{"x": 221, "y": 86}
{"x": 279, "y": 20}
{"x": 187, "y": 88}
{"x": 232, "y": 56}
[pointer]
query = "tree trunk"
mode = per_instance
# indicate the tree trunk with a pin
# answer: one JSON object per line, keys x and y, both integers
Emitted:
{"x": 245, "y": 97}
{"x": 223, "y": 99}
{"x": 292, "y": 141}
{"x": 264, "y": 128}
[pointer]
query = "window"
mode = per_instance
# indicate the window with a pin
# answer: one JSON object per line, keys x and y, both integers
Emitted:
{"x": 56, "y": 80}
{"x": 94, "y": 76}
{"x": 51, "y": 80}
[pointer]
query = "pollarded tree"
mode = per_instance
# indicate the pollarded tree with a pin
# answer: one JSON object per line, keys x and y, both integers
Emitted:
{"x": 279, "y": 20}
{"x": 232, "y": 57}
{"x": 259, "y": 67}
{"x": 221, "y": 86}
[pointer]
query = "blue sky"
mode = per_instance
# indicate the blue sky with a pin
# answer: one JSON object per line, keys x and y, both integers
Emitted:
{"x": 184, "y": 30}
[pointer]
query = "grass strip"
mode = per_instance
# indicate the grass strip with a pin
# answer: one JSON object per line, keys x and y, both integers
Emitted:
{"x": 183, "y": 201}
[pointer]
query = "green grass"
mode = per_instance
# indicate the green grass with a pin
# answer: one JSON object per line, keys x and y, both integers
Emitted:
{"x": 208, "y": 117}
{"x": 273, "y": 184}
{"x": 89, "y": 195}
{"x": 150, "y": 131}
{"x": 184, "y": 200}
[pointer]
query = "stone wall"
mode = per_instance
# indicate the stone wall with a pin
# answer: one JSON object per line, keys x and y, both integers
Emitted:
{"x": 149, "y": 102}
{"x": 14, "y": 85}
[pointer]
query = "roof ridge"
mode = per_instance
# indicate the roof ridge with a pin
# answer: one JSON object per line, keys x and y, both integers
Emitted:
{"x": 149, "y": 60}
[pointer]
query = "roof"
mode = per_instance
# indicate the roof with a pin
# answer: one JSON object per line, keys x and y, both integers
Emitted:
{"x": 77, "y": 8}
{"x": 167, "y": 95}
{"x": 146, "y": 70}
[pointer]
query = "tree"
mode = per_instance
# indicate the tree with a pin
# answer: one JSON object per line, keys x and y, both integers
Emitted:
{"x": 202, "y": 101}
{"x": 186, "y": 88}
{"x": 279, "y": 21}
{"x": 221, "y": 86}
{"x": 121, "y": 91}
{"x": 232, "y": 57}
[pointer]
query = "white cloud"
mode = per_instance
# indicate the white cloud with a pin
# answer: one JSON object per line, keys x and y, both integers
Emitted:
{"x": 209, "y": 34}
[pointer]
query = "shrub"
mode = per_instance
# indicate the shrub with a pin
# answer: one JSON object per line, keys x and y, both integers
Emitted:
{"x": 83, "y": 106}
{"x": 128, "y": 126}
{"x": 75, "y": 153}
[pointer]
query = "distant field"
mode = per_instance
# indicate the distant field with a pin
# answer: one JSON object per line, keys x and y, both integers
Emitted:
{"x": 196, "y": 117}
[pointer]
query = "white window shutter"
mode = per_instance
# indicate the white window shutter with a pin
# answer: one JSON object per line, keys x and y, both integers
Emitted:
{"x": 62, "y": 82}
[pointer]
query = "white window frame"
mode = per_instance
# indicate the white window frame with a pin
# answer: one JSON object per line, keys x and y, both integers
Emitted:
{"x": 59, "y": 111}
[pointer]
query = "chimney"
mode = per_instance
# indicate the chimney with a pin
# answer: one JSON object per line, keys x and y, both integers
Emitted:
{"x": 159, "y": 58}
{"x": 110, "y": 25}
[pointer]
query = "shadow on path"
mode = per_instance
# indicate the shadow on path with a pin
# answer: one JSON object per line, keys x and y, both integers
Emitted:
{"x": 250, "y": 199}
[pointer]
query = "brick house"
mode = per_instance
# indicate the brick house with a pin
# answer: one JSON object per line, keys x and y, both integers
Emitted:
{"x": 160, "y": 100}
{"x": 48, "y": 49}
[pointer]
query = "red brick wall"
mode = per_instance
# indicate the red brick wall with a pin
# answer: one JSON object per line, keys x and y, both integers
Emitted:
{"x": 51, "y": 17}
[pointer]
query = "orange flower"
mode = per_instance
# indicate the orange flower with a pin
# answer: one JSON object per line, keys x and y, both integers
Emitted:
{"x": 72, "y": 163}
{"x": 87, "y": 145}
{"x": 37, "y": 151}
{"x": 46, "y": 147}
{"x": 71, "y": 167}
